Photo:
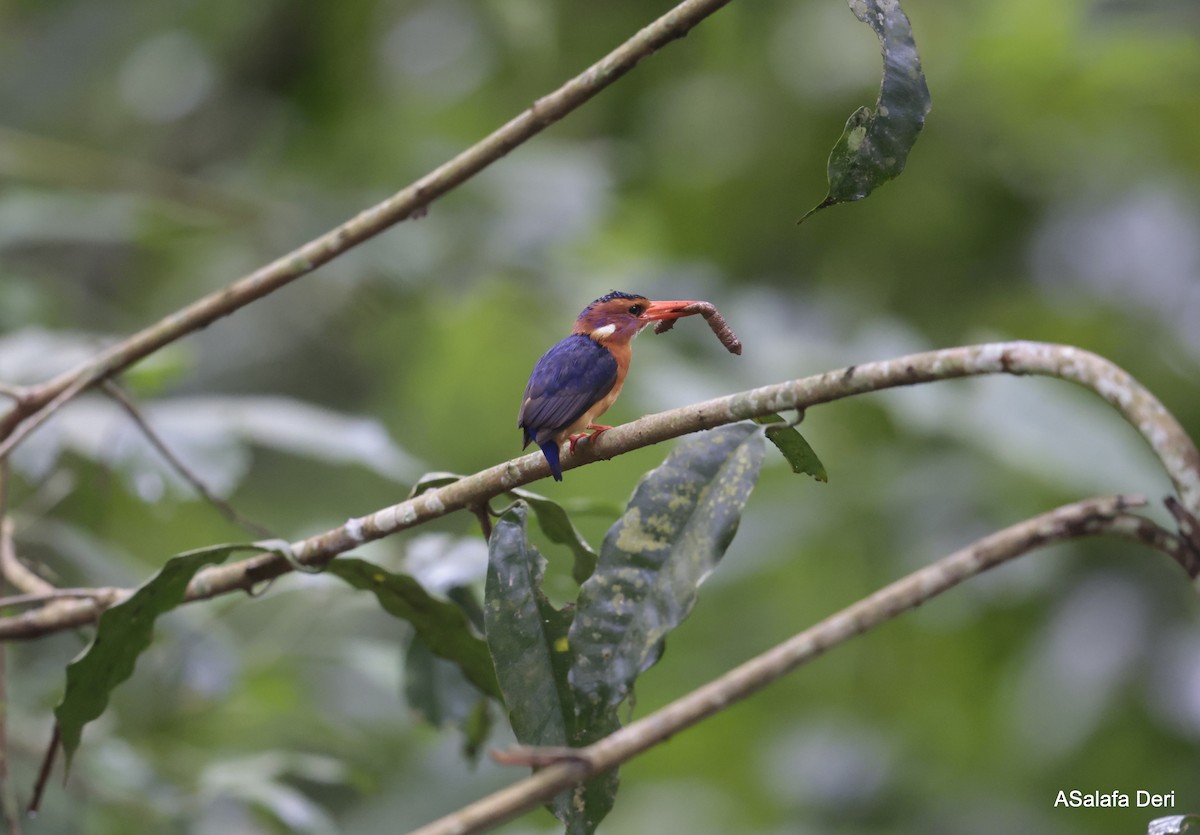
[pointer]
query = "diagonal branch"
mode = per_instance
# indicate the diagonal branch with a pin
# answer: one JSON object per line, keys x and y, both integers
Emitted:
{"x": 1092, "y": 517}
{"x": 1137, "y": 405}
{"x": 404, "y": 204}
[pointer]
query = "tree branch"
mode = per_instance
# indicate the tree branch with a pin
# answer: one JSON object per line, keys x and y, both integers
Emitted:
{"x": 14, "y": 571}
{"x": 404, "y": 204}
{"x": 1139, "y": 407}
{"x": 107, "y": 594}
{"x": 1091, "y": 517}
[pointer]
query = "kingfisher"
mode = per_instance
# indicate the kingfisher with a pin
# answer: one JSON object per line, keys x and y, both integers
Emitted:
{"x": 578, "y": 379}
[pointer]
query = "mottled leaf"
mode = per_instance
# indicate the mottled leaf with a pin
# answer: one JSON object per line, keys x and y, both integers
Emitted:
{"x": 441, "y": 625}
{"x": 552, "y": 518}
{"x": 123, "y": 632}
{"x": 528, "y": 639}
{"x": 526, "y": 635}
{"x": 875, "y": 143}
{"x": 788, "y": 440}
{"x": 682, "y": 517}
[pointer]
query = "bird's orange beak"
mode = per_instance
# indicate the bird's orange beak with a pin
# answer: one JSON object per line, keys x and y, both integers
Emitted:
{"x": 667, "y": 310}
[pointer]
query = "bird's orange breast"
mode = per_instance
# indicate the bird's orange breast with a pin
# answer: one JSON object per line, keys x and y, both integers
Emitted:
{"x": 622, "y": 354}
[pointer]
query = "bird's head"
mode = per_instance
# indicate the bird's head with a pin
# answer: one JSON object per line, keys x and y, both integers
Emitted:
{"x": 618, "y": 317}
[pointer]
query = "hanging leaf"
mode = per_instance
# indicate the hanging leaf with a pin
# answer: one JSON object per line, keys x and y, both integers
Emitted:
{"x": 527, "y": 636}
{"x": 528, "y": 640}
{"x": 552, "y": 518}
{"x": 676, "y": 528}
{"x": 123, "y": 632}
{"x": 788, "y": 440}
{"x": 564, "y": 677}
{"x": 441, "y": 625}
{"x": 875, "y": 143}
{"x": 441, "y": 695}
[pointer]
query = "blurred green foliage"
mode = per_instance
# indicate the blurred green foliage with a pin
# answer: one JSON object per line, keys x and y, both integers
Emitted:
{"x": 153, "y": 155}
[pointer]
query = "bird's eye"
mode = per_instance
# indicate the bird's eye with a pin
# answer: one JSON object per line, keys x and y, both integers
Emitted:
{"x": 636, "y": 310}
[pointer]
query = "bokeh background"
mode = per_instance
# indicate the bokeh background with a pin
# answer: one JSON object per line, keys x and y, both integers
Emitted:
{"x": 155, "y": 151}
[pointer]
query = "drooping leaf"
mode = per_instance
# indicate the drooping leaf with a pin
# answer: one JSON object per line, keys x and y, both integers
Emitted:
{"x": 552, "y": 518}
{"x": 441, "y": 625}
{"x": 528, "y": 639}
{"x": 441, "y": 695}
{"x": 682, "y": 517}
{"x": 123, "y": 632}
{"x": 527, "y": 636}
{"x": 476, "y": 729}
{"x": 788, "y": 440}
{"x": 874, "y": 146}
{"x": 464, "y": 597}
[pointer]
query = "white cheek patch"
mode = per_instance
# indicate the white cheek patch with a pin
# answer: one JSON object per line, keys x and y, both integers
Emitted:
{"x": 604, "y": 332}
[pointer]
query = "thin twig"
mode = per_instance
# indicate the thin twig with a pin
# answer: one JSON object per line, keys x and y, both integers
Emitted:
{"x": 539, "y": 756}
{"x": 404, "y": 204}
{"x": 223, "y": 507}
{"x": 105, "y": 594}
{"x": 1139, "y": 407}
{"x": 1086, "y": 518}
{"x": 8, "y": 797}
{"x": 39, "y": 787}
{"x": 34, "y": 414}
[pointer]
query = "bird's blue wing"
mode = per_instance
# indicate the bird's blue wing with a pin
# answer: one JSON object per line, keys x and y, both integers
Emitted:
{"x": 565, "y": 383}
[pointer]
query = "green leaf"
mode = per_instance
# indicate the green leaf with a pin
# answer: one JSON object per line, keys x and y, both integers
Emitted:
{"x": 441, "y": 625}
{"x": 429, "y": 481}
{"x": 788, "y": 440}
{"x": 123, "y": 632}
{"x": 528, "y": 639}
{"x": 875, "y": 143}
{"x": 552, "y": 518}
{"x": 677, "y": 526}
{"x": 476, "y": 729}
{"x": 527, "y": 636}
{"x": 441, "y": 695}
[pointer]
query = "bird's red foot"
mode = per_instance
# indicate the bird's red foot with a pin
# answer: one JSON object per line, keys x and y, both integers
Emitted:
{"x": 598, "y": 428}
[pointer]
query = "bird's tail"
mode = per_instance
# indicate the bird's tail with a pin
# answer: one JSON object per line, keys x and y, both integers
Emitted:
{"x": 550, "y": 450}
